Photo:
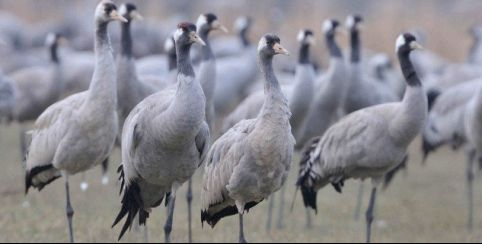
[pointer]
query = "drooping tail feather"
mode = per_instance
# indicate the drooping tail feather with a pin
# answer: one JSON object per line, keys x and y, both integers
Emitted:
{"x": 40, "y": 176}
{"x": 131, "y": 205}
{"x": 213, "y": 218}
{"x": 306, "y": 176}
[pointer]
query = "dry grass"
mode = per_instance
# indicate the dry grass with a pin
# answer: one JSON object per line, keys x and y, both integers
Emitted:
{"x": 425, "y": 204}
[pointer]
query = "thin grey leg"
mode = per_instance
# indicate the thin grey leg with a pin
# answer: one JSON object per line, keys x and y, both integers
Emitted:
{"x": 470, "y": 190}
{"x": 168, "y": 225}
{"x": 242, "y": 239}
{"x": 359, "y": 200}
{"x": 105, "y": 169}
{"x": 281, "y": 208}
{"x": 146, "y": 234}
{"x": 369, "y": 213}
{"x": 23, "y": 146}
{"x": 69, "y": 209}
{"x": 270, "y": 213}
{"x": 308, "y": 223}
{"x": 189, "y": 209}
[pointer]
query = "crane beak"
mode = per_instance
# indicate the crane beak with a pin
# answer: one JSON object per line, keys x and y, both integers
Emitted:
{"x": 278, "y": 49}
{"x": 136, "y": 15}
{"x": 195, "y": 38}
{"x": 218, "y": 26}
{"x": 415, "y": 45}
{"x": 116, "y": 16}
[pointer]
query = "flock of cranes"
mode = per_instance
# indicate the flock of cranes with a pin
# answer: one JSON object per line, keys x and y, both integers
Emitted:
{"x": 204, "y": 106}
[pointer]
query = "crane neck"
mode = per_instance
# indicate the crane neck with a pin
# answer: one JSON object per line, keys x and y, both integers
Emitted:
{"x": 332, "y": 46}
{"x": 243, "y": 35}
{"x": 184, "y": 65}
{"x": 355, "y": 46}
{"x": 408, "y": 70}
{"x": 206, "y": 51}
{"x": 126, "y": 39}
{"x": 304, "y": 54}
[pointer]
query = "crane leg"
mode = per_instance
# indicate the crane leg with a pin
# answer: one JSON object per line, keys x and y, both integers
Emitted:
{"x": 470, "y": 190}
{"x": 270, "y": 213}
{"x": 146, "y": 234}
{"x": 281, "y": 208}
{"x": 369, "y": 214}
{"x": 168, "y": 225}
{"x": 359, "y": 200}
{"x": 308, "y": 224}
{"x": 69, "y": 209}
{"x": 189, "y": 209}
{"x": 242, "y": 239}
{"x": 105, "y": 168}
{"x": 23, "y": 145}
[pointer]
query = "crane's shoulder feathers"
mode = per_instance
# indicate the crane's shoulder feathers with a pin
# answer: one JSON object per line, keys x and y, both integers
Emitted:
{"x": 61, "y": 110}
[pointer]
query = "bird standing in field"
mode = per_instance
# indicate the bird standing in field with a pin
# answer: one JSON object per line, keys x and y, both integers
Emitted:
{"x": 367, "y": 143}
{"x": 78, "y": 133}
{"x": 250, "y": 161}
{"x": 164, "y": 140}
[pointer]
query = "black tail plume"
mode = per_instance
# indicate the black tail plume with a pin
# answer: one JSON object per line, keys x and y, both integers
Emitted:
{"x": 131, "y": 205}
{"x": 34, "y": 172}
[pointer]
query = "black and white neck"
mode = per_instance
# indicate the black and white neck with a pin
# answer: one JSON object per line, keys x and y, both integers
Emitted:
{"x": 305, "y": 38}
{"x": 329, "y": 28}
{"x": 126, "y": 39}
{"x": 52, "y": 40}
{"x": 352, "y": 23}
{"x": 405, "y": 44}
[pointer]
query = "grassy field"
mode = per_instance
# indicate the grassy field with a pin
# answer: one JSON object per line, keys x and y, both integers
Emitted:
{"x": 424, "y": 204}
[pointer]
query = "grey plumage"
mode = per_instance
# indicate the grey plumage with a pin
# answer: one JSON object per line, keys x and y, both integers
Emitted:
{"x": 330, "y": 93}
{"x": 299, "y": 94}
{"x": 250, "y": 161}
{"x": 131, "y": 89}
{"x": 78, "y": 132}
{"x": 150, "y": 150}
{"x": 367, "y": 143}
{"x": 207, "y": 66}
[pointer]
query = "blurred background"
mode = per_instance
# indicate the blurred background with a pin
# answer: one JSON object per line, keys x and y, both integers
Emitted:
{"x": 443, "y": 21}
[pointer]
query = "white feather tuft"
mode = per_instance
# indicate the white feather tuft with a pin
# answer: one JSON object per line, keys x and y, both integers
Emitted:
{"x": 261, "y": 44}
{"x": 50, "y": 40}
{"x": 327, "y": 26}
{"x": 301, "y": 35}
{"x": 123, "y": 10}
{"x": 241, "y": 23}
{"x": 168, "y": 44}
{"x": 350, "y": 21}
{"x": 202, "y": 20}
{"x": 400, "y": 42}
{"x": 177, "y": 34}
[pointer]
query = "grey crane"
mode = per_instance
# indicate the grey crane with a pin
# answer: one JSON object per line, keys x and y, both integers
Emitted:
{"x": 367, "y": 143}
{"x": 330, "y": 92}
{"x": 299, "y": 94}
{"x": 164, "y": 139}
{"x": 77, "y": 133}
{"x": 451, "y": 122}
{"x": 36, "y": 88}
{"x": 251, "y": 161}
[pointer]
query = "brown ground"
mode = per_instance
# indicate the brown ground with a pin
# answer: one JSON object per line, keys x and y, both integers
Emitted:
{"x": 425, "y": 204}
